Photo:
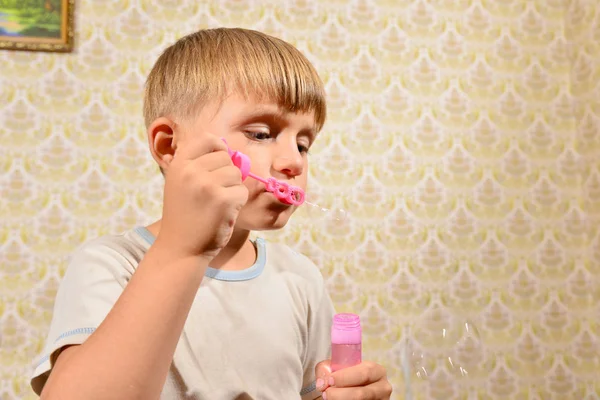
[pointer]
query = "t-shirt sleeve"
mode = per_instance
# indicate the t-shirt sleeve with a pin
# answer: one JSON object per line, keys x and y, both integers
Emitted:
{"x": 94, "y": 280}
{"x": 319, "y": 341}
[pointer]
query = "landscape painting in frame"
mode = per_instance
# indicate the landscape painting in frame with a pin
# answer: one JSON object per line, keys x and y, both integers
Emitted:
{"x": 37, "y": 25}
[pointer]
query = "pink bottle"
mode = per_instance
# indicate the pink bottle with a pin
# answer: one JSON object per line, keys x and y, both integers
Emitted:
{"x": 346, "y": 341}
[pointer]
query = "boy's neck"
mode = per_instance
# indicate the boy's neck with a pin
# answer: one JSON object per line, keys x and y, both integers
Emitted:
{"x": 239, "y": 253}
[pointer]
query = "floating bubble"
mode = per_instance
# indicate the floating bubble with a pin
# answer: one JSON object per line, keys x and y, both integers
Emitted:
{"x": 442, "y": 351}
{"x": 314, "y": 210}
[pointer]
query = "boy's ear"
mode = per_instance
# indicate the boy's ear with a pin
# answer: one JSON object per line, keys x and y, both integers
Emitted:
{"x": 162, "y": 141}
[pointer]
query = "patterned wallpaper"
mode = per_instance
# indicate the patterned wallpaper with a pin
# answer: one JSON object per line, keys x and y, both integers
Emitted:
{"x": 462, "y": 140}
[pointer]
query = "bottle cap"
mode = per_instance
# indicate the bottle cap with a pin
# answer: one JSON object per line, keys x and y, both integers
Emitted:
{"x": 346, "y": 329}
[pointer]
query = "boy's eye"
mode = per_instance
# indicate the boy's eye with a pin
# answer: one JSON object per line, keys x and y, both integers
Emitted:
{"x": 262, "y": 135}
{"x": 302, "y": 149}
{"x": 258, "y": 135}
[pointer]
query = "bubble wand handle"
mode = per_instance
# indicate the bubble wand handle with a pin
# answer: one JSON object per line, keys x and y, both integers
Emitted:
{"x": 258, "y": 178}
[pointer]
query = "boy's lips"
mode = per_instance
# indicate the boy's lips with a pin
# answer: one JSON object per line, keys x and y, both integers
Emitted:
{"x": 274, "y": 203}
{"x": 278, "y": 206}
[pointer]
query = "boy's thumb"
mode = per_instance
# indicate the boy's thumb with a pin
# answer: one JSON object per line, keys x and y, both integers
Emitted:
{"x": 323, "y": 369}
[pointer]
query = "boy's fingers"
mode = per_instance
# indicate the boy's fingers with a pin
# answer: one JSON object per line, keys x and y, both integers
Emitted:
{"x": 359, "y": 375}
{"x": 371, "y": 392}
{"x": 350, "y": 394}
{"x": 322, "y": 372}
{"x": 195, "y": 146}
{"x": 323, "y": 369}
{"x": 228, "y": 176}
{"x": 213, "y": 161}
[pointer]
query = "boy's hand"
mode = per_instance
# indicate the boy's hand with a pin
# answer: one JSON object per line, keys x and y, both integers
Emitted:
{"x": 202, "y": 199}
{"x": 365, "y": 381}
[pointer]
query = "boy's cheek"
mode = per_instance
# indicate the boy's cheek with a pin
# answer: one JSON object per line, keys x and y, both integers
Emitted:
{"x": 254, "y": 187}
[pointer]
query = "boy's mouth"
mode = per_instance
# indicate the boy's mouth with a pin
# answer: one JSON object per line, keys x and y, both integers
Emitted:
{"x": 274, "y": 202}
{"x": 277, "y": 206}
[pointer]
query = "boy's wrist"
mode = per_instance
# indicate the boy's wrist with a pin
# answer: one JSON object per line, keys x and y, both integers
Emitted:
{"x": 167, "y": 254}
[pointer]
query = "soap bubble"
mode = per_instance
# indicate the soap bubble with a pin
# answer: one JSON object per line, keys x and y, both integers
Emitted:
{"x": 443, "y": 356}
{"x": 333, "y": 214}
{"x": 322, "y": 206}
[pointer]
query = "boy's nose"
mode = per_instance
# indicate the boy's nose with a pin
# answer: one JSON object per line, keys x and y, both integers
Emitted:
{"x": 289, "y": 165}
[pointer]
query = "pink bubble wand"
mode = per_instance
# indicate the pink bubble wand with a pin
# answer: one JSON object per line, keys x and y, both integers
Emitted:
{"x": 283, "y": 191}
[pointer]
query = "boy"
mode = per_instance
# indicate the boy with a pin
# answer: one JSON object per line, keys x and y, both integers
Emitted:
{"x": 189, "y": 307}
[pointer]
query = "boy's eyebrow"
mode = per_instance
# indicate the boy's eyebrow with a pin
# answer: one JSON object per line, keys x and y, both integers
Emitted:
{"x": 262, "y": 114}
{"x": 277, "y": 117}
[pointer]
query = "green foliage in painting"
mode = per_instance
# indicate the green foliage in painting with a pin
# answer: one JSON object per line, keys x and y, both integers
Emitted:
{"x": 31, "y": 18}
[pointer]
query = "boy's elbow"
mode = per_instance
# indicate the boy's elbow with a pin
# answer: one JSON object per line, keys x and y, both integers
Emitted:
{"x": 56, "y": 383}
{"x": 46, "y": 394}
{"x": 70, "y": 379}
{"x": 51, "y": 393}
{"x": 55, "y": 388}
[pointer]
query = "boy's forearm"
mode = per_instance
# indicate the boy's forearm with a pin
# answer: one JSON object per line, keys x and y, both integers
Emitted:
{"x": 129, "y": 355}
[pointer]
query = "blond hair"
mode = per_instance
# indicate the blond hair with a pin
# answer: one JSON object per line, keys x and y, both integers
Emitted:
{"x": 210, "y": 64}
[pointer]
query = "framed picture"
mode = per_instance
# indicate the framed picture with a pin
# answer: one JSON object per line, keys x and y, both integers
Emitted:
{"x": 37, "y": 25}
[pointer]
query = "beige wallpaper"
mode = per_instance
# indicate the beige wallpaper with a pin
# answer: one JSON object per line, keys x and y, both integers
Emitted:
{"x": 462, "y": 141}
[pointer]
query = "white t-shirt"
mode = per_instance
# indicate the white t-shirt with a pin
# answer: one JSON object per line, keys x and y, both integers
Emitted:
{"x": 251, "y": 334}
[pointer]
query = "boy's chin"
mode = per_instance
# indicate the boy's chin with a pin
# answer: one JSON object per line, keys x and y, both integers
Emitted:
{"x": 261, "y": 220}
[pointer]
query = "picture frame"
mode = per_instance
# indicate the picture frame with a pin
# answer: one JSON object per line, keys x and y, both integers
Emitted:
{"x": 37, "y": 25}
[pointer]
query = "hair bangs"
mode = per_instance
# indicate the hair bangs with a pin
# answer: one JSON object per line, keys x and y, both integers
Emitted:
{"x": 209, "y": 65}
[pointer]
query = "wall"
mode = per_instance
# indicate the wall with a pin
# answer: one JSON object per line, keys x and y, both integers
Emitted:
{"x": 462, "y": 140}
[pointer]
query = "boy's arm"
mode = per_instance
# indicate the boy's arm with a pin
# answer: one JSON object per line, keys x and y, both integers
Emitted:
{"x": 129, "y": 354}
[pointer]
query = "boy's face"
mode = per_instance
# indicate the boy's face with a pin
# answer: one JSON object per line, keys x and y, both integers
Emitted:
{"x": 277, "y": 142}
